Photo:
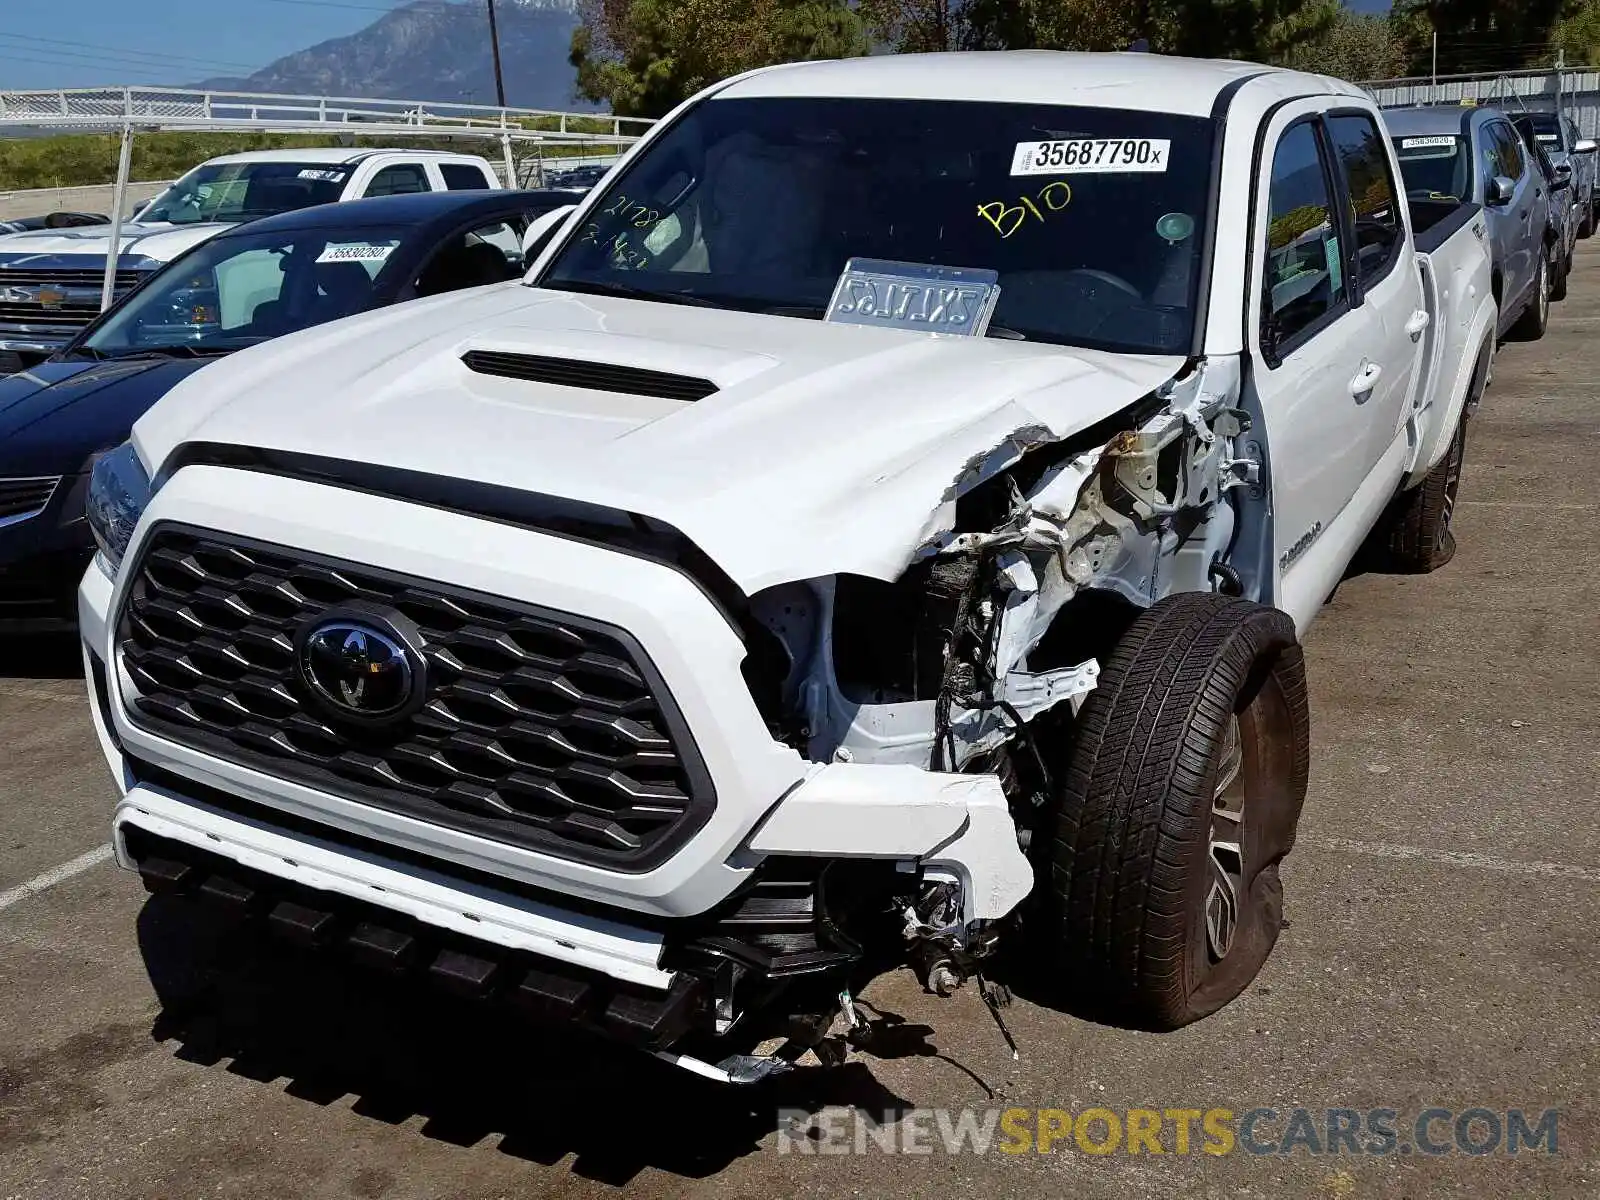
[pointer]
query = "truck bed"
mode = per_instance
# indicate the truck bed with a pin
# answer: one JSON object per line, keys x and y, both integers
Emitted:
{"x": 1434, "y": 221}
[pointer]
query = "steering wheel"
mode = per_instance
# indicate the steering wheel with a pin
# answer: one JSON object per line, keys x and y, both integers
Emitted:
{"x": 1116, "y": 281}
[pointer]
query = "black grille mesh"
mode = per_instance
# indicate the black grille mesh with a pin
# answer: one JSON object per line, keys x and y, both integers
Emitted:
{"x": 65, "y": 277}
{"x": 23, "y": 497}
{"x": 539, "y": 728}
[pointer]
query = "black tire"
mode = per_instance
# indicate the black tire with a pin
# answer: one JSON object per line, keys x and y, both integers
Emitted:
{"x": 1586, "y": 227}
{"x": 1417, "y": 525}
{"x": 1531, "y": 324}
{"x": 1559, "y": 273}
{"x": 1134, "y": 868}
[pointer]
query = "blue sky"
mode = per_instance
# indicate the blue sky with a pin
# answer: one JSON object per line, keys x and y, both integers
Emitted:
{"x": 84, "y": 43}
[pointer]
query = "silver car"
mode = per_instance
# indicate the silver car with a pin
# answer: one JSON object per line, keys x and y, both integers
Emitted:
{"x": 1475, "y": 154}
{"x": 1558, "y": 134}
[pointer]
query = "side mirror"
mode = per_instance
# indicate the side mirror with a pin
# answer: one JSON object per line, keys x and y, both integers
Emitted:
{"x": 1562, "y": 176}
{"x": 1500, "y": 191}
{"x": 542, "y": 230}
{"x": 1585, "y": 146}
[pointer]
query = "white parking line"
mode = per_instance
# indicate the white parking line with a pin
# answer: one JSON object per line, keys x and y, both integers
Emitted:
{"x": 54, "y": 876}
{"x": 1458, "y": 858}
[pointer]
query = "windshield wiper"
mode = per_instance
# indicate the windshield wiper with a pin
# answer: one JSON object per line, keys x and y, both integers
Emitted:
{"x": 177, "y": 350}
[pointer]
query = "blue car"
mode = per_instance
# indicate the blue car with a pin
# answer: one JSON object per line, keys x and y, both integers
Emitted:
{"x": 246, "y": 286}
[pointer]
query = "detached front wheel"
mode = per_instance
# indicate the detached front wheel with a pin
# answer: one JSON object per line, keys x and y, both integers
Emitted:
{"x": 1181, "y": 793}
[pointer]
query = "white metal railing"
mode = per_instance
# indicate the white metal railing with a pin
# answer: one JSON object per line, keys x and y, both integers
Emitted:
{"x": 130, "y": 110}
{"x": 1575, "y": 90}
{"x": 196, "y": 110}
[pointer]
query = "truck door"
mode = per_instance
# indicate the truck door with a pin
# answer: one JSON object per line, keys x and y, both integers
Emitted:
{"x": 1384, "y": 273}
{"x": 1315, "y": 353}
{"x": 1528, "y": 209}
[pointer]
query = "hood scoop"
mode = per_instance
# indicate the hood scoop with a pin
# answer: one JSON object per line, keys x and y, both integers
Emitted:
{"x": 595, "y": 376}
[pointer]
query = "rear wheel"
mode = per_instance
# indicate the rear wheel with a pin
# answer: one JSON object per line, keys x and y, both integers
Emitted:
{"x": 1417, "y": 524}
{"x": 1559, "y": 272}
{"x": 1181, "y": 792}
{"x": 1531, "y": 324}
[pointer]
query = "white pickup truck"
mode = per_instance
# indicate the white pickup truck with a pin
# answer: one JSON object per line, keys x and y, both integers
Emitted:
{"x": 879, "y": 530}
{"x": 51, "y": 279}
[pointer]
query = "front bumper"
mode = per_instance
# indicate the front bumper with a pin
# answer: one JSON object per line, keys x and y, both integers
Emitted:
{"x": 770, "y": 802}
{"x": 42, "y": 557}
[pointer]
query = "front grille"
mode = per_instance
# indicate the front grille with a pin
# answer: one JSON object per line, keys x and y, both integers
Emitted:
{"x": 19, "y": 277}
{"x": 539, "y": 729}
{"x": 595, "y": 376}
{"x": 67, "y": 315}
{"x": 23, "y": 498}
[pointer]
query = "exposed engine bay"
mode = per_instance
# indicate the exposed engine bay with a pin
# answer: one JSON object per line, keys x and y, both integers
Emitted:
{"x": 992, "y": 636}
{"x": 998, "y": 619}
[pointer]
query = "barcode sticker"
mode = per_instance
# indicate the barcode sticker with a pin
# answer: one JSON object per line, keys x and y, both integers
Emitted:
{"x": 1091, "y": 156}
{"x": 355, "y": 252}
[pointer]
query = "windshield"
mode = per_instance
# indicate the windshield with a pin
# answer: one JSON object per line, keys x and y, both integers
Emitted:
{"x": 1435, "y": 167}
{"x": 245, "y": 191}
{"x": 244, "y": 288}
{"x": 1094, "y": 218}
{"x": 1546, "y": 128}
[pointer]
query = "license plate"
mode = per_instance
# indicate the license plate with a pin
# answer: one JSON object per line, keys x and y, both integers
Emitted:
{"x": 915, "y": 296}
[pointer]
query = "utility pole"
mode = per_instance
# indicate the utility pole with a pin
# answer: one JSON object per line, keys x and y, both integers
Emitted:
{"x": 1433, "y": 89}
{"x": 494, "y": 43}
{"x": 1561, "y": 65}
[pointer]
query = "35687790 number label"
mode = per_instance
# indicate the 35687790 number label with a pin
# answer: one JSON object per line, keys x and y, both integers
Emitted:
{"x": 1091, "y": 156}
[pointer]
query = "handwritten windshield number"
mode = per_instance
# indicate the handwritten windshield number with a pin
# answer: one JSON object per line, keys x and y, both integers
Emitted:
{"x": 1008, "y": 218}
{"x": 637, "y": 214}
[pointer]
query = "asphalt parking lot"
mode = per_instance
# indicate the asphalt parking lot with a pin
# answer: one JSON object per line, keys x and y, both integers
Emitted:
{"x": 1441, "y": 948}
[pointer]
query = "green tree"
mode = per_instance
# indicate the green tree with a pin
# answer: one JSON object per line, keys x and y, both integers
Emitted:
{"x": 1255, "y": 29}
{"x": 1478, "y": 36}
{"x": 1578, "y": 35}
{"x": 644, "y": 56}
{"x": 1357, "y": 46}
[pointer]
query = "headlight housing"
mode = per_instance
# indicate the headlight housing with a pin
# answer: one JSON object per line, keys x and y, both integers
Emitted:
{"x": 119, "y": 490}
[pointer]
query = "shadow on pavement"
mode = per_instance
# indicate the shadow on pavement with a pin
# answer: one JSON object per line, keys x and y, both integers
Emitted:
{"x": 40, "y": 656}
{"x": 470, "y": 1071}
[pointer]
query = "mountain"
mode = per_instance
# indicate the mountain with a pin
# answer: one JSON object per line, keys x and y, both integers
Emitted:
{"x": 436, "y": 50}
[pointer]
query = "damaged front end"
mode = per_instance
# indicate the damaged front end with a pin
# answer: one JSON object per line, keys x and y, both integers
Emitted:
{"x": 972, "y": 664}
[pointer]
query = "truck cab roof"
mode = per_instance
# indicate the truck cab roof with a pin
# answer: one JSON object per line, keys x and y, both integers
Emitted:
{"x": 1139, "y": 82}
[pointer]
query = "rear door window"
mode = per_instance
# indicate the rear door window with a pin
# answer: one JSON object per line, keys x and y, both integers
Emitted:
{"x": 464, "y": 177}
{"x": 399, "y": 180}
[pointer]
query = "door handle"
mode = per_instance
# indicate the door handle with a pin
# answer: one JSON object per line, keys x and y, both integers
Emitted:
{"x": 1419, "y": 321}
{"x": 1366, "y": 379}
